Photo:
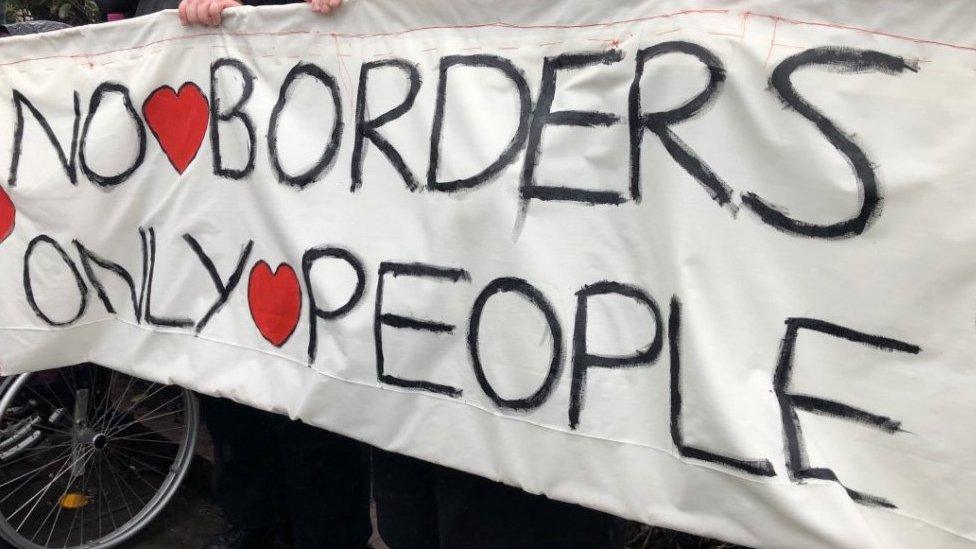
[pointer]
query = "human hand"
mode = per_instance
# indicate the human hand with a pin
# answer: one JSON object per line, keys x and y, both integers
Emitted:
{"x": 205, "y": 12}
{"x": 324, "y": 6}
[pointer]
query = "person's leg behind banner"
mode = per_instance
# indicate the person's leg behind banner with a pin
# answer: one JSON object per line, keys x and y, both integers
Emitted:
{"x": 246, "y": 463}
{"x": 326, "y": 482}
{"x": 477, "y": 513}
{"x": 405, "y": 493}
{"x": 421, "y": 505}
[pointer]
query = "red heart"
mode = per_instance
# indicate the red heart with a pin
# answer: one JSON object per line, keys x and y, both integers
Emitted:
{"x": 7, "y": 214}
{"x": 275, "y": 300}
{"x": 179, "y": 121}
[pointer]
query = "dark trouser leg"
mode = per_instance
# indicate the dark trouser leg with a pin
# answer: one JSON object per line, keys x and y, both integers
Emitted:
{"x": 476, "y": 513}
{"x": 246, "y": 465}
{"x": 404, "y": 490}
{"x": 326, "y": 477}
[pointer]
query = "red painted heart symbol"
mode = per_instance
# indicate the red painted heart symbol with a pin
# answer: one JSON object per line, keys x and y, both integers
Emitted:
{"x": 275, "y": 300}
{"x": 179, "y": 121}
{"x": 7, "y": 214}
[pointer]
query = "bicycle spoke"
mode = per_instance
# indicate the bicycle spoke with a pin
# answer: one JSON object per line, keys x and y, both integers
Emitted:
{"x": 103, "y": 495}
{"x": 164, "y": 456}
{"x": 50, "y": 440}
{"x": 71, "y": 527}
{"x": 64, "y": 455}
{"x": 54, "y": 430}
{"x": 84, "y": 493}
{"x": 111, "y": 412}
{"x": 56, "y": 507}
{"x": 144, "y": 464}
{"x": 103, "y": 404}
{"x": 153, "y": 433}
{"x": 171, "y": 399}
{"x": 125, "y": 500}
{"x": 57, "y": 397}
{"x": 121, "y": 398}
{"x": 146, "y": 440}
{"x": 145, "y": 397}
{"x": 67, "y": 381}
{"x": 179, "y": 427}
{"x": 53, "y": 527}
{"x": 38, "y": 448}
{"x": 40, "y": 495}
{"x": 80, "y": 512}
{"x": 32, "y": 453}
{"x": 91, "y": 377}
{"x": 141, "y": 420}
{"x": 135, "y": 492}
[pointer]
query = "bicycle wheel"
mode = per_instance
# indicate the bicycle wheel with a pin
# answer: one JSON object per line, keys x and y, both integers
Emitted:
{"x": 89, "y": 456}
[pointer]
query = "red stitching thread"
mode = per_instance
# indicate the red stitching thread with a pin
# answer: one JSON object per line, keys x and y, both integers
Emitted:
{"x": 500, "y": 24}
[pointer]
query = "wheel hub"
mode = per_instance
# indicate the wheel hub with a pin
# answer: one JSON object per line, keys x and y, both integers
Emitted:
{"x": 99, "y": 441}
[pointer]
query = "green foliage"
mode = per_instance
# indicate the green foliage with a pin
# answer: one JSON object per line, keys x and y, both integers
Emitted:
{"x": 72, "y": 12}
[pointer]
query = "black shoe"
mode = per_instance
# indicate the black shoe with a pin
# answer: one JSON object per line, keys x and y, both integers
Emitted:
{"x": 238, "y": 537}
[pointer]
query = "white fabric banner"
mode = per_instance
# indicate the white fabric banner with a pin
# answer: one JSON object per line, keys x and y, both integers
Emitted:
{"x": 710, "y": 267}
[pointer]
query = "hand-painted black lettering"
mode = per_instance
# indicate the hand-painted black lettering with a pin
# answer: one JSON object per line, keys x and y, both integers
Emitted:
{"x": 236, "y": 111}
{"x": 380, "y": 319}
{"x": 88, "y": 261}
{"x": 542, "y": 117}
{"x": 67, "y": 161}
{"x": 535, "y": 297}
{"x": 223, "y": 289}
{"x": 314, "y": 312}
{"x": 797, "y": 463}
{"x": 369, "y": 129}
{"x": 660, "y": 122}
{"x": 29, "y": 288}
{"x": 583, "y": 360}
{"x": 144, "y": 245}
{"x": 168, "y": 322}
{"x": 328, "y": 155}
{"x": 511, "y": 151}
{"x": 758, "y": 467}
{"x": 869, "y": 189}
{"x": 96, "y": 100}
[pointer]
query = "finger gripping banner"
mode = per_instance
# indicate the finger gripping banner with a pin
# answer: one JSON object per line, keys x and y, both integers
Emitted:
{"x": 706, "y": 267}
